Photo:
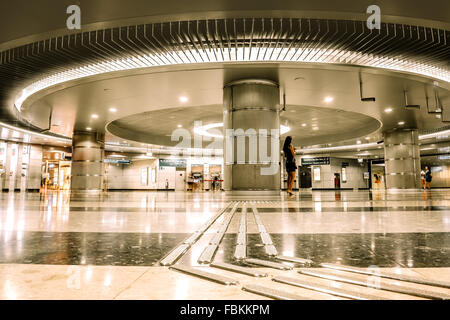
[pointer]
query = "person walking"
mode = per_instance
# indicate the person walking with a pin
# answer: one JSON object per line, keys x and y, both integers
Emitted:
{"x": 291, "y": 166}
{"x": 428, "y": 177}
{"x": 422, "y": 178}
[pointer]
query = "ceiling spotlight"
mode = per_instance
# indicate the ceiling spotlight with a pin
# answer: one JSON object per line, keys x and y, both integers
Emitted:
{"x": 388, "y": 110}
{"x": 358, "y": 142}
{"x": 183, "y": 99}
{"x": 315, "y": 128}
{"x": 303, "y": 124}
{"x": 367, "y": 138}
{"x": 401, "y": 123}
{"x": 328, "y": 99}
{"x": 180, "y": 126}
{"x": 88, "y": 129}
{"x": 113, "y": 110}
{"x": 94, "y": 116}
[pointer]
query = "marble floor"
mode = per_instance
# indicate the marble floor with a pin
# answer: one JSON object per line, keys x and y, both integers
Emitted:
{"x": 62, "y": 245}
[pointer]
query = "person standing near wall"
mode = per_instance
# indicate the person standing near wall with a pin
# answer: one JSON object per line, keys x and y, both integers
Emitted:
{"x": 428, "y": 177}
{"x": 291, "y": 166}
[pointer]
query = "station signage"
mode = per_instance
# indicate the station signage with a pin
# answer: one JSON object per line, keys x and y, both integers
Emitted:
{"x": 117, "y": 161}
{"x": 444, "y": 157}
{"x": 177, "y": 163}
{"x": 319, "y": 161}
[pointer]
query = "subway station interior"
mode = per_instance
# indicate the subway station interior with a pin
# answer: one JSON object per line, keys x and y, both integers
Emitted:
{"x": 143, "y": 156}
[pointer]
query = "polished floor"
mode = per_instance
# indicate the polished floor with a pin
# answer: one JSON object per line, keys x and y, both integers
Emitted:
{"x": 108, "y": 246}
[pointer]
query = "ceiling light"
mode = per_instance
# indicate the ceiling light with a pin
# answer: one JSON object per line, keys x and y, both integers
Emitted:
{"x": 401, "y": 123}
{"x": 94, "y": 116}
{"x": 315, "y": 128}
{"x": 149, "y": 154}
{"x": 183, "y": 99}
{"x": 358, "y": 142}
{"x": 303, "y": 124}
{"x": 88, "y": 129}
{"x": 284, "y": 129}
{"x": 367, "y": 138}
{"x": 388, "y": 110}
{"x": 180, "y": 126}
{"x": 328, "y": 99}
{"x": 113, "y": 110}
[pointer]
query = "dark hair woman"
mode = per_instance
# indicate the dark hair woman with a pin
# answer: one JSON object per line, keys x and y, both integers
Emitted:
{"x": 291, "y": 166}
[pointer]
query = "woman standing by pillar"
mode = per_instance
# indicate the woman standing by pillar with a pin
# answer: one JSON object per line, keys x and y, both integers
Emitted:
{"x": 291, "y": 166}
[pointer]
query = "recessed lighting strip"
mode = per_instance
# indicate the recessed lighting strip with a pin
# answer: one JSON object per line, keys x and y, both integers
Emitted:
{"x": 241, "y": 54}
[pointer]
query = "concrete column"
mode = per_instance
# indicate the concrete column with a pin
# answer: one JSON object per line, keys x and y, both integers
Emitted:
{"x": 251, "y": 106}
{"x": 87, "y": 161}
{"x": 402, "y": 159}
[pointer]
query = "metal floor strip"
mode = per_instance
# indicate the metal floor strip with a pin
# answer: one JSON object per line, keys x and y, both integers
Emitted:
{"x": 295, "y": 260}
{"x": 193, "y": 238}
{"x": 241, "y": 241}
{"x": 238, "y": 269}
{"x": 240, "y": 252}
{"x": 329, "y": 289}
{"x": 265, "y": 237}
{"x": 174, "y": 255}
{"x": 268, "y": 264}
{"x": 206, "y": 275}
{"x": 399, "y": 288}
{"x": 207, "y": 254}
{"x": 271, "y": 250}
{"x": 272, "y": 293}
{"x": 387, "y": 275}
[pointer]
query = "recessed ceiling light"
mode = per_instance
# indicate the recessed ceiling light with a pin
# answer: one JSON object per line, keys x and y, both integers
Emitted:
{"x": 358, "y": 142}
{"x": 328, "y": 99}
{"x": 367, "y": 138}
{"x": 184, "y": 99}
{"x": 315, "y": 128}
{"x": 180, "y": 126}
{"x": 94, "y": 116}
{"x": 88, "y": 129}
{"x": 387, "y": 110}
{"x": 303, "y": 124}
{"x": 401, "y": 123}
{"x": 113, "y": 110}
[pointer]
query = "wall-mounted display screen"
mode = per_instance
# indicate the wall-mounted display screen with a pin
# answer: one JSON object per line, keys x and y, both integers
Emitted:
{"x": 316, "y": 173}
{"x": 344, "y": 175}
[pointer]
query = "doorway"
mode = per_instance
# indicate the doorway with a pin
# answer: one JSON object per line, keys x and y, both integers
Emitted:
{"x": 304, "y": 174}
{"x": 180, "y": 181}
{"x": 337, "y": 181}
